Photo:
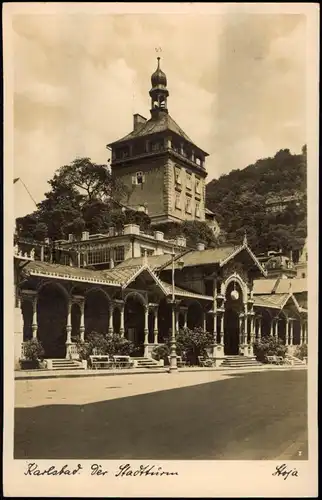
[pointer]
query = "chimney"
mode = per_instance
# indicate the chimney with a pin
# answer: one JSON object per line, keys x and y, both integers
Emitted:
{"x": 200, "y": 246}
{"x": 70, "y": 237}
{"x": 85, "y": 235}
{"x": 138, "y": 120}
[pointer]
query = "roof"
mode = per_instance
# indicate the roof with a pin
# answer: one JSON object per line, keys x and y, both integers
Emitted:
{"x": 277, "y": 301}
{"x": 154, "y": 261}
{"x": 181, "y": 292}
{"x": 280, "y": 286}
{"x": 219, "y": 255}
{"x": 272, "y": 301}
{"x": 119, "y": 276}
{"x": 116, "y": 277}
{"x": 204, "y": 257}
{"x": 209, "y": 212}
{"x": 163, "y": 123}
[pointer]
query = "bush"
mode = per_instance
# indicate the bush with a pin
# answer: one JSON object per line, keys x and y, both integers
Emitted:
{"x": 269, "y": 346}
{"x": 101, "y": 344}
{"x": 192, "y": 343}
{"x": 33, "y": 350}
{"x": 161, "y": 352}
{"x": 301, "y": 351}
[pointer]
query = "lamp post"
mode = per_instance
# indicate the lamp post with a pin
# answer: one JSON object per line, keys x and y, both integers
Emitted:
{"x": 173, "y": 346}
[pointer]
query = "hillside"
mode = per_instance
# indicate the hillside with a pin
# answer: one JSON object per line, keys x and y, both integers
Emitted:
{"x": 239, "y": 201}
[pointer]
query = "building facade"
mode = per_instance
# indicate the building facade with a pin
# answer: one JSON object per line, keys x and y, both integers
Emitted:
{"x": 159, "y": 164}
{"x": 224, "y": 291}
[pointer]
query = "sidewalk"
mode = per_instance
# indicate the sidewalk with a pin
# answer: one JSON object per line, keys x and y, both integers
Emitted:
{"x": 48, "y": 374}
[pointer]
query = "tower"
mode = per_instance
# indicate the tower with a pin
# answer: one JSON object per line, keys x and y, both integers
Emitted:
{"x": 163, "y": 170}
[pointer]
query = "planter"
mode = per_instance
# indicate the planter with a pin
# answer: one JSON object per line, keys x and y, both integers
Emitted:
{"x": 29, "y": 364}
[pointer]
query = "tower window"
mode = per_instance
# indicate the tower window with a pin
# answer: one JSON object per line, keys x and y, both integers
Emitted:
{"x": 177, "y": 174}
{"x": 198, "y": 190}
{"x": 189, "y": 181}
{"x": 119, "y": 254}
{"x": 155, "y": 146}
{"x": 188, "y": 205}
{"x": 138, "y": 178}
{"x": 178, "y": 201}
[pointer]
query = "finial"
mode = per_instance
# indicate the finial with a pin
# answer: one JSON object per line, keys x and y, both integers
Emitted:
{"x": 245, "y": 238}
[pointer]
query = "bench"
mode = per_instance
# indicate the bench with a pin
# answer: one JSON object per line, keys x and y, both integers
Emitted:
{"x": 121, "y": 361}
{"x": 275, "y": 360}
{"x": 180, "y": 362}
{"x": 206, "y": 362}
{"x": 100, "y": 361}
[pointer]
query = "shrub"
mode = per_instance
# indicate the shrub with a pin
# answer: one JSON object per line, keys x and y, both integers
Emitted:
{"x": 269, "y": 346}
{"x": 192, "y": 343}
{"x": 161, "y": 352}
{"x": 101, "y": 344}
{"x": 301, "y": 351}
{"x": 33, "y": 350}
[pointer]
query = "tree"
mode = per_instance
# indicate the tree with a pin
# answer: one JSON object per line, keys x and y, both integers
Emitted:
{"x": 92, "y": 180}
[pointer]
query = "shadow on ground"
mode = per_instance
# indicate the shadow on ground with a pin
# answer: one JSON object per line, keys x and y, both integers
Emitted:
{"x": 254, "y": 416}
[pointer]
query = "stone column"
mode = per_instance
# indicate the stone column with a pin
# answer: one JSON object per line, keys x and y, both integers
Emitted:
{"x": 276, "y": 329}
{"x": 185, "y": 318}
{"x": 241, "y": 321}
{"x": 252, "y": 329}
{"x": 305, "y": 336}
{"x": 155, "y": 326}
{"x": 122, "y": 307}
{"x": 291, "y": 332}
{"x": 177, "y": 320}
{"x": 246, "y": 325}
{"x": 69, "y": 328}
{"x": 34, "y": 326}
{"x": 215, "y": 327}
{"x": 146, "y": 330}
{"x": 110, "y": 318}
{"x": 272, "y": 327}
{"x": 301, "y": 332}
{"x": 221, "y": 329}
{"x": 287, "y": 332}
{"x": 259, "y": 333}
{"x": 82, "y": 322}
{"x": 204, "y": 321}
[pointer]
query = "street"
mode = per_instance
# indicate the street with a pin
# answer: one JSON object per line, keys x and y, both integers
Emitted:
{"x": 200, "y": 415}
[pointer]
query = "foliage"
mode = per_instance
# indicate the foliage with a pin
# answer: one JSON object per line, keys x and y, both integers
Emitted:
{"x": 161, "y": 352}
{"x": 192, "y": 343}
{"x": 33, "y": 350}
{"x": 238, "y": 201}
{"x": 301, "y": 351}
{"x": 101, "y": 344}
{"x": 83, "y": 197}
{"x": 269, "y": 346}
{"x": 194, "y": 231}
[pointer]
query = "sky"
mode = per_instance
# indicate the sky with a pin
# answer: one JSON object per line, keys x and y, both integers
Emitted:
{"x": 236, "y": 84}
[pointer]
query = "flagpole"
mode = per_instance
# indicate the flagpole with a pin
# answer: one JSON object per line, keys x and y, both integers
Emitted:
{"x": 19, "y": 179}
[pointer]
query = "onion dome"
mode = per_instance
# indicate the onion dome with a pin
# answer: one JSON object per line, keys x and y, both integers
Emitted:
{"x": 158, "y": 78}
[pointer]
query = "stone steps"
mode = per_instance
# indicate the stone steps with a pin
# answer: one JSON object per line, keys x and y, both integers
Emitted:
{"x": 146, "y": 363}
{"x": 65, "y": 364}
{"x": 239, "y": 362}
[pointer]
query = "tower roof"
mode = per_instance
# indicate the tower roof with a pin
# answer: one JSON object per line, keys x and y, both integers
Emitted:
{"x": 163, "y": 123}
{"x": 158, "y": 79}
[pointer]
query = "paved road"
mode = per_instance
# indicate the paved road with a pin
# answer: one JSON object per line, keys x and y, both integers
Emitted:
{"x": 248, "y": 416}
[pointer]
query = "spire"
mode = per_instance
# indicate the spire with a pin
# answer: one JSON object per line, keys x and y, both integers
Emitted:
{"x": 245, "y": 238}
{"x": 159, "y": 91}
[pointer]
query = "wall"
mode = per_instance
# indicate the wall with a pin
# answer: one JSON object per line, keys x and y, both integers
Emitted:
{"x": 185, "y": 192}
{"x": 151, "y": 192}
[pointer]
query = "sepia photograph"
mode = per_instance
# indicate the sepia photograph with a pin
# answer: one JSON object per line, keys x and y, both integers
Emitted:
{"x": 163, "y": 238}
